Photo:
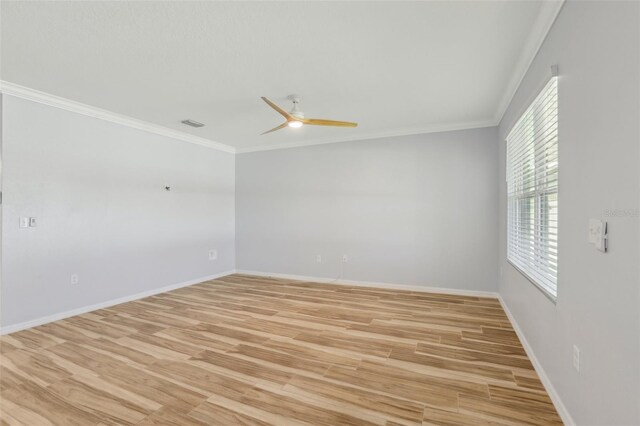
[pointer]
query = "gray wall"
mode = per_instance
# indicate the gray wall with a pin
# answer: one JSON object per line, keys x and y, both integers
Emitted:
{"x": 413, "y": 210}
{"x": 596, "y": 46}
{"x": 97, "y": 190}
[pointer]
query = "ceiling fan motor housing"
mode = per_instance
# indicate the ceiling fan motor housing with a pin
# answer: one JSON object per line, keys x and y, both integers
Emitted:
{"x": 296, "y": 99}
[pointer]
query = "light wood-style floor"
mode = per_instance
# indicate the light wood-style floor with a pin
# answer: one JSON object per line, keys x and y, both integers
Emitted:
{"x": 249, "y": 350}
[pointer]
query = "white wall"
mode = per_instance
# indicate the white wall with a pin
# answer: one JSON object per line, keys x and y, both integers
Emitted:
{"x": 413, "y": 210}
{"x": 596, "y": 46}
{"x": 97, "y": 190}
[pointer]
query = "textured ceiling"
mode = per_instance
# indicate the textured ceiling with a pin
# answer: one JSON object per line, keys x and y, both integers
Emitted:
{"x": 394, "y": 67}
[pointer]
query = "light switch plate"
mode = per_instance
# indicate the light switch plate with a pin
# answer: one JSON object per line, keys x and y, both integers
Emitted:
{"x": 24, "y": 222}
{"x": 598, "y": 234}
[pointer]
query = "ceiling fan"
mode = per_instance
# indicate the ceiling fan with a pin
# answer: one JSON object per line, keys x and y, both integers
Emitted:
{"x": 295, "y": 117}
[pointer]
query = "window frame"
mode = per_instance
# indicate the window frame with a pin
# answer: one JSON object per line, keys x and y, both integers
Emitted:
{"x": 534, "y": 194}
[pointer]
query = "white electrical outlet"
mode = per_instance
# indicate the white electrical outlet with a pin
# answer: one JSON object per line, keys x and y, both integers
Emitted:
{"x": 345, "y": 258}
{"x": 576, "y": 358}
{"x": 318, "y": 258}
{"x": 213, "y": 254}
{"x": 75, "y": 279}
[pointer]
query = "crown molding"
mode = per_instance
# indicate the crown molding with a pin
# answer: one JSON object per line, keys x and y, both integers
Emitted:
{"x": 91, "y": 111}
{"x": 23, "y": 92}
{"x": 547, "y": 16}
{"x": 375, "y": 135}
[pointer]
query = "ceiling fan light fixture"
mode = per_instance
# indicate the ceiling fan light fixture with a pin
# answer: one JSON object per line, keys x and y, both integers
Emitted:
{"x": 296, "y": 119}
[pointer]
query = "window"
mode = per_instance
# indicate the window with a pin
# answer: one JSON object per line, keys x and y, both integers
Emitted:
{"x": 532, "y": 191}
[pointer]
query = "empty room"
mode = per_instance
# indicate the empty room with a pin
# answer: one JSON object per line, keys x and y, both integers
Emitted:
{"x": 320, "y": 213}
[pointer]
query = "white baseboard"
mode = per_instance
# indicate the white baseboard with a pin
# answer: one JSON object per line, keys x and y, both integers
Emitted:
{"x": 83, "y": 310}
{"x": 372, "y": 284}
{"x": 553, "y": 394}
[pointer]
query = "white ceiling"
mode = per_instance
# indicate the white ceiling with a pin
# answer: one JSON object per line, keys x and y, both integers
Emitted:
{"x": 394, "y": 67}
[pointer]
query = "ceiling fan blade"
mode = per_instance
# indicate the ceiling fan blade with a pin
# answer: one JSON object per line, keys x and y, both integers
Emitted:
{"x": 284, "y": 113}
{"x": 321, "y": 122}
{"x": 283, "y": 125}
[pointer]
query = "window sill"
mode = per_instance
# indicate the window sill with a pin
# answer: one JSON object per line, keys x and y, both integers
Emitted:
{"x": 551, "y": 297}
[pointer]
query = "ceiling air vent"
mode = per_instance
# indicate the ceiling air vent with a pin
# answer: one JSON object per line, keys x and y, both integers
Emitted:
{"x": 192, "y": 123}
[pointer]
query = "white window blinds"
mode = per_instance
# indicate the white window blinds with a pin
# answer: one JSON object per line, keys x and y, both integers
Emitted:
{"x": 532, "y": 191}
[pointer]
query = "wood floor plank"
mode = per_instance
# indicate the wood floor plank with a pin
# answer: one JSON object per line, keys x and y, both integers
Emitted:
{"x": 261, "y": 351}
{"x": 169, "y": 416}
{"x": 492, "y": 348}
{"x": 214, "y": 414}
{"x": 435, "y": 417}
{"x": 34, "y": 367}
{"x": 289, "y": 407}
{"x": 529, "y": 382}
{"x": 450, "y": 364}
{"x": 304, "y": 352}
{"x": 365, "y": 398}
{"x": 236, "y": 364}
{"x": 279, "y": 358}
{"x": 106, "y": 401}
{"x": 406, "y": 389}
{"x": 448, "y": 383}
{"x": 506, "y": 412}
{"x": 474, "y": 356}
{"x": 36, "y": 402}
{"x": 200, "y": 378}
{"x": 254, "y": 412}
